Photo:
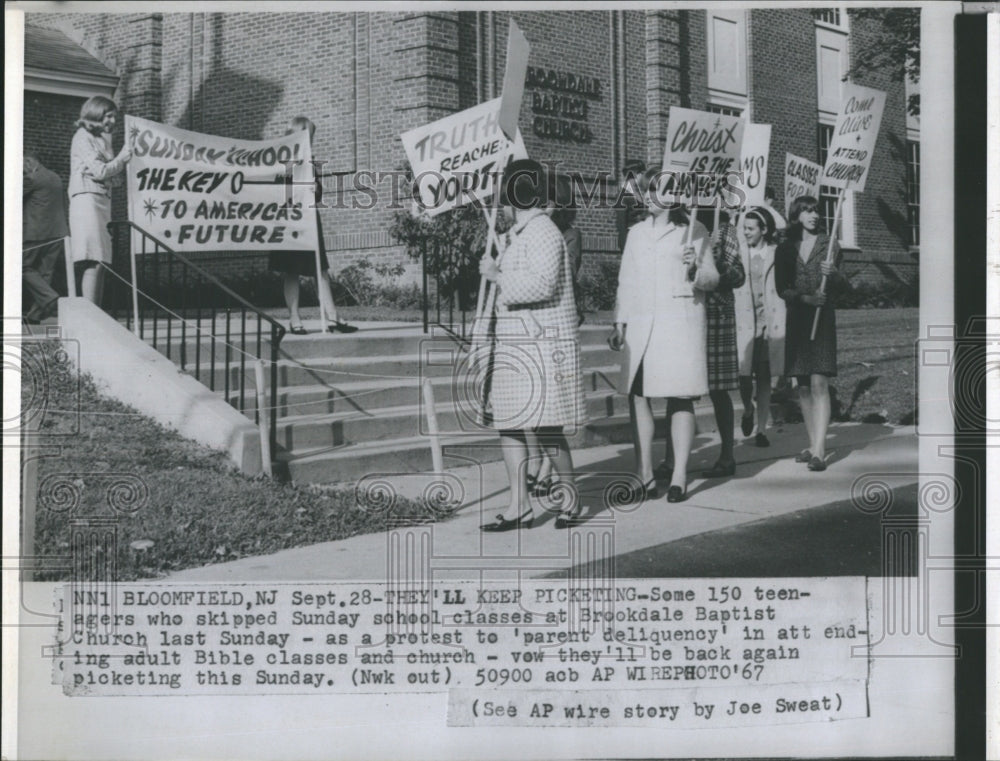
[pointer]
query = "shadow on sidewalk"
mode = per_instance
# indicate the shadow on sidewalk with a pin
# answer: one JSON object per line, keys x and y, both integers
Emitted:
{"x": 835, "y": 539}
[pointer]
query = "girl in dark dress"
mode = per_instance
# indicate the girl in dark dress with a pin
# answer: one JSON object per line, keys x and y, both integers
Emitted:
{"x": 295, "y": 264}
{"x": 799, "y": 266}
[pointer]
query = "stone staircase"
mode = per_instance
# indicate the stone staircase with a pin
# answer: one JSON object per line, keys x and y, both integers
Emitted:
{"x": 351, "y": 406}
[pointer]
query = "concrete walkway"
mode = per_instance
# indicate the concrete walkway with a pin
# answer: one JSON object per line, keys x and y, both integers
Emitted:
{"x": 768, "y": 485}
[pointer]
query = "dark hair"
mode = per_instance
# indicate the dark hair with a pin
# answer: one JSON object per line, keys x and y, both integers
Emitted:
{"x": 633, "y": 166}
{"x": 93, "y": 111}
{"x": 763, "y": 218}
{"x": 302, "y": 123}
{"x": 525, "y": 185}
{"x": 562, "y": 194}
{"x": 654, "y": 180}
{"x": 799, "y": 205}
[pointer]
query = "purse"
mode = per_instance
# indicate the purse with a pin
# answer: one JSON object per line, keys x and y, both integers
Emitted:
{"x": 706, "y": 276}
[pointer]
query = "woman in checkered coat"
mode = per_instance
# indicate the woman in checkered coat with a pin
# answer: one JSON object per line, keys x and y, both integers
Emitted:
{"x": 535, "y": 383}
{"x": 723, "y": 363}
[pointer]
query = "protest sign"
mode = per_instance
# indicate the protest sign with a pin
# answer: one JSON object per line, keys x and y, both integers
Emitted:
{"x": 200, "y": 192}
{"x": 801, "y": 179}
{"x": 753, "y": 163}
{"x": 707, "y": 144}
{"x": 850, "y": 153}
{"x": 513, "y": 80}
{"x": 455, "y": 159}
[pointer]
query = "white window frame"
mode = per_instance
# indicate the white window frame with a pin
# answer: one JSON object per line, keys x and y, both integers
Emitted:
{"x": 728, "y": 96}
{"x": 839, "y": 36}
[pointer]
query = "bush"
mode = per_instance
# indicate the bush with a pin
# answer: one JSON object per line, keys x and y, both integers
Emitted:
{"x": 599, "y": 293}
{"x": 358, "y": 280}
{"x": 882, "y": 296}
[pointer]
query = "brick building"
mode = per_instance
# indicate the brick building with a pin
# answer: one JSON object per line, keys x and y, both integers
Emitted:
{"x": 364, "y": 78}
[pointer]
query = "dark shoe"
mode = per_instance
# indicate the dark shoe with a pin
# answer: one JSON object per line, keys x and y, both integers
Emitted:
{"x": 720, "y": 471}
{"x": 541, "y": 488}
{"x": 501, "y": 524}
{"x": 816, "y": 464}
{"x": 297, "y": 330}
{"x": 664, "y": 471}
{"x": 746, "y": 422}
{"x": 570, "y": 517}
{"x": 804, "y": 456}
{"x": 646, "y": 492}
{"x": 761, "y": 440}
{"x": 676, "y": 494}
{"x": 341, "y": 327}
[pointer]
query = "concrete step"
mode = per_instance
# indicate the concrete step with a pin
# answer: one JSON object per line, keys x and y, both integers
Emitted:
{"x": 412, "y": 454}
{"x": 353, "y": 426}
{"x": 324, "y": 398}
{"x": 389, "y": 369}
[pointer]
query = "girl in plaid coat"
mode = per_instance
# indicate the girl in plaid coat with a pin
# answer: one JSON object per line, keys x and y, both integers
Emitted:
{"x": 536, "y": 381}
{"x": 723, "y": 364}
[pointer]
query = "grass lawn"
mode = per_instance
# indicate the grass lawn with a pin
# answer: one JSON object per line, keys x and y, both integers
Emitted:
{"x": 199, "y": 510}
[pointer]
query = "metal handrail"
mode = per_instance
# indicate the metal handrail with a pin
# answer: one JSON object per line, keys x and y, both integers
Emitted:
{"x": 236, "y": 337}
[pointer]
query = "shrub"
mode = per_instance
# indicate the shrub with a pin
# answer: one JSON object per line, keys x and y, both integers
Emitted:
{"x": 599, "y": 292}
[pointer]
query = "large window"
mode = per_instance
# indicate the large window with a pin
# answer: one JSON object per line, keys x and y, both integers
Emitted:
{"x": 913, "y": 191}
{"x": 726, "y": 37}
{"x": 715, "y": 108}
{"x": 827, "y": 195}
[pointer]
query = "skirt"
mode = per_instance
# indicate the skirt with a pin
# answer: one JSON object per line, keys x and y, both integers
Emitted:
{"x": 723, "y": 362}
{"x": 804, "y": 356}
{"x": 301, "y": 263}
{"x": 89, "y": 214}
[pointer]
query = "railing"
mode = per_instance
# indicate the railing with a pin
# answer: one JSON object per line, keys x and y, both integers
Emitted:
{"x": 174, "y": 301}
{"x": 455, "y": 282}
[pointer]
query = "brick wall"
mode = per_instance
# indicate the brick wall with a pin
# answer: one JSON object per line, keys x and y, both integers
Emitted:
{"x": 366, "y": 77}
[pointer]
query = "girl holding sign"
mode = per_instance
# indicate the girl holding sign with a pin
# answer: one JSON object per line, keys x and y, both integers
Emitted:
{"x": 93, "y": 169}
{"x": 799, "y": 267}
{"x": 536, "y": 386}
{"x": 660, "y": 321}
{"x": 760, "y": 322}
{"x": 294, "y": 264}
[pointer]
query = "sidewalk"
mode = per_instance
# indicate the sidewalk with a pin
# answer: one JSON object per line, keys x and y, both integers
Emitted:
{"x": 768, "y": 485}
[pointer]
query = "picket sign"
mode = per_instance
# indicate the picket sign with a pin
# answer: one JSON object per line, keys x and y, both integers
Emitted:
{"x": 801, "y": 179}
{"x": 849, "y": 156}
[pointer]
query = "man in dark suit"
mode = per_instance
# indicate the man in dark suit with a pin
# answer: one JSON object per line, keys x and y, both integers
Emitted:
{"x": 43, "y": 229}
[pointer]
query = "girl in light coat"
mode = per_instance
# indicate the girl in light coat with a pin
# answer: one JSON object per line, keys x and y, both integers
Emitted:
{"x": 760, "y": 322}
{"x": 660, "y": 322}
{"x": 93, "y": 168}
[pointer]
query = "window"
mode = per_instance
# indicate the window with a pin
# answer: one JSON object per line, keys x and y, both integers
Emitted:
{"x": 913, "y": 191}
{"x": 727, "y": 62}
{"x": 724, "y": 110}
{"x": 827, "y": 195}
{"x": 829, "y": 16}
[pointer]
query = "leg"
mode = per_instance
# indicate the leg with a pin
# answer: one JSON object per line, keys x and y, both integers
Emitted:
{"x": 291, "y": 283}
{"x": 723, "y": 406}
{"x": 92, "y": 283}
{"x": 555, "y": 450}
{"x": 635, "y": 432}
{"x": 325, "y": 291}
{"x": 36, "y": 273}
{"x": 806, "y": 402}
{"x": 515, "y": 453}
{"x": 746, "y": 396}
{"x": 535, "y": 455}
{"x": 763, "y": 373}
{"x": 681, "y": 413}
{"x": 645, "y": 426}
{"x": 820, "y": 387}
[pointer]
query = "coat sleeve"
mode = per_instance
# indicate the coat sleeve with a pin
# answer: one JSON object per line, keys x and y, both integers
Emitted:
{"x": 93, "y": 161}
{"x": 533, "y": 278}
{"x": 628, "y": 277}
{"x": 728, "y": 261}
{"x": 837, "y": 283}
{"x": 784, "y": 272}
